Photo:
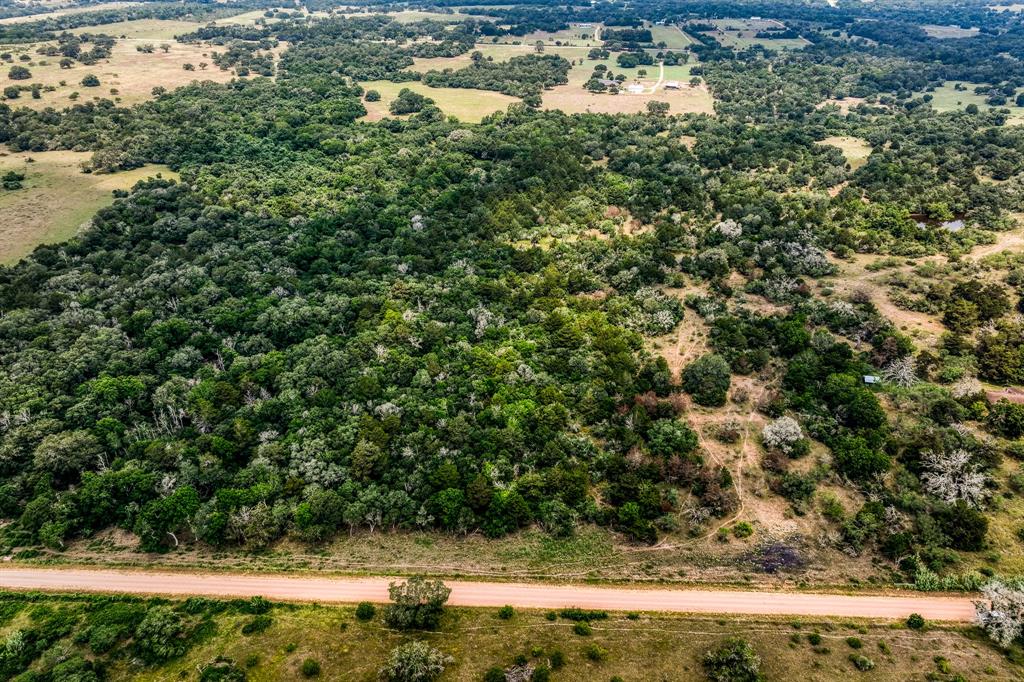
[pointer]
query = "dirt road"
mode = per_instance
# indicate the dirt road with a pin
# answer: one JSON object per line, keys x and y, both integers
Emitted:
{"x": 467, "y": 593}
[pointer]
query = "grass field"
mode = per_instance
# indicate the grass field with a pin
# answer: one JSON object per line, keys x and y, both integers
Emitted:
{"x": 672, "y": 36}
{"x": 740, "y": 34}
{"x": 949, "y": 31}
{"x": 578, "y": 35}
{"x": 152, "y": 29}
{"x": 854, "y": 149}
{"x": 463, "y": 103}
{"x": 645, "y": 647}
{"x": 948, "y": 98}
{"x": 66, "y": 11}
{"x": 56, "y": 200}
{"x": 132, "y": 73}
{"x": 411, "y": 16}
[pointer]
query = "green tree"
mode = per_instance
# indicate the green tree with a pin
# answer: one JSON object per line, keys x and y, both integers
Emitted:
{"x": 417, "y": 604}
{"x": 707, "y": 379}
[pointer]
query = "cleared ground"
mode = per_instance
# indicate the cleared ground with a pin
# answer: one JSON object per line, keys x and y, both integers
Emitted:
{"x": 672, "y": 36}
{"x": 742, "y": 33}
{"x": 582, "y": 35}
{"x": 56, "y": 200}
{"x": 132, "y": 73}
{"x": 465, "y": 104}
{"x": 949, "y": 31}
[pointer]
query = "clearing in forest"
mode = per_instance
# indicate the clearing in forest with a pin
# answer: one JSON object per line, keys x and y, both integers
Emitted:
{"x": 57, "y": 198}
{"x": 854, "y": 149}
{"x": 466, "y": 104}
{"x": 64, "y": 11}
{"x": 151, "y": 29}
{"x": 946, "y": 32}
{"x": 133, "y": 74}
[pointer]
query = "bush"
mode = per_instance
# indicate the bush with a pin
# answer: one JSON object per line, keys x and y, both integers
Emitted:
{"x": 854, "y": 642}
{"x": 366, "y": 611}
{"x": 743, "y": 529}
{"x": 506, "y": 612}
{"x": 494, "y": 674}
{"x": 19, "y": 73}
{"x": 557, "y": 659}
{"x": 582, "y": 614}
{"x": 862, "y": 663}
{"x": 583, "y": 629}
{"x": 734, "y": 661}
{"x": 915, "y": 621}
{"x": 416, "y": 662}
{"x": 372, "y": 96}
{"x": 310, "y": 668}
{"x": 257, "y": 625}
{"x": 90, "y": 81}
{"x": 595, "y": 652}
{"x": 814, "y": 638}
{"x": 707, "y": 380}
{"x": 540, "y": 674}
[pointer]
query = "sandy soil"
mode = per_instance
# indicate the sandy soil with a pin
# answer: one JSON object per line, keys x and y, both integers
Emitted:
{"x": 348, "y": 590}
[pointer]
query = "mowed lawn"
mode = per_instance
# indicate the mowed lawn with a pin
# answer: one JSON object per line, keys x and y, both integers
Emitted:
{"x": 57, "y": 198}
{"x": 465, "y": 104}
{"x": 131, "y": 73}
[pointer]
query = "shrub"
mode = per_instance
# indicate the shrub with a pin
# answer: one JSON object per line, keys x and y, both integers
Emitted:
{"x": 915, "y": 621}
{"x": 257, "y": 624}
{"x": 862, "y": 663}
{"x": 506, "y": 612}
{"x": 814, "y": 638}
{"x": 90, "y": 81}
{"x": 494, "y": 674}
{"x": 582, "y": 614}
{"x": 19, "y": 73}
{"x": 415, "y": 662}
{"x": 556, "y": 660}
{"x": 372, "y": 96}
{"x": 583, "y": 629}
{"x": 540, "y": 674}
{"x": 734, "y": 661}
{"x": 854, "y": 642}
{"x": 310, "y": 668}
{"x": 160, "y": 636}
{"x": 595, "y": 652}
{"x": 221, "y": 669}
{"x": 366, "y": 611}
{"x": 743, "y": 529}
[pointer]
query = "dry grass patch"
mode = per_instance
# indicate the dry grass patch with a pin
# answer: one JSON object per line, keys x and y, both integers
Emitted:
{"x": 132, "y": 73}
{"x": 572, "y": 99}
{"x": 56, "y": 200}
{"x": 854, "y": 149}
{"x": 152, "y": 29}
{"x": 64, "y": 11}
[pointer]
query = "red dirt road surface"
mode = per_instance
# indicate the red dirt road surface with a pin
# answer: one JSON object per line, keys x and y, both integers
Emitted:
{"x": 468, "y": 593}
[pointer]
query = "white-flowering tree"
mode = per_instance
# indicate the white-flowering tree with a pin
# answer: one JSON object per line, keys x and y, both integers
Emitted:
{"x": 782, "y": 434}
{"x": 1001, "y": 613}
{"x": 901, "y": 371}
{"x": 953, "y": 477}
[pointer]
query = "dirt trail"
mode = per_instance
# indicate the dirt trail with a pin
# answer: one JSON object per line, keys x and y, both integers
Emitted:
{"x": 465, "y": 593}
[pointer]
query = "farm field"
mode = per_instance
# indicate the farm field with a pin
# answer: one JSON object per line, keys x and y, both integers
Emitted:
{"x": 577, "y": 35}
{"x": 741, "y": 34}
{"x": 463, "y": 103}
{"x": 500, "y": 52}
{"x": 411, "y": 16}
{"x": 56, "y": 200}
{"x": 618, "y": 645}
{"x": 672, "y": 36}
{"x": 132, "y": 73}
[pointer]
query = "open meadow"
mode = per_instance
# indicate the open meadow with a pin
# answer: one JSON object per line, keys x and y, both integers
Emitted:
{"x": 466, "y": 104}
{"x": 56, "y": 200}
{"x": 129, "y": 72}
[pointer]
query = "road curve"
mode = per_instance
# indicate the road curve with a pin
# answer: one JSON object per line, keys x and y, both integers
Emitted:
{"x": 469, "y": 593}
